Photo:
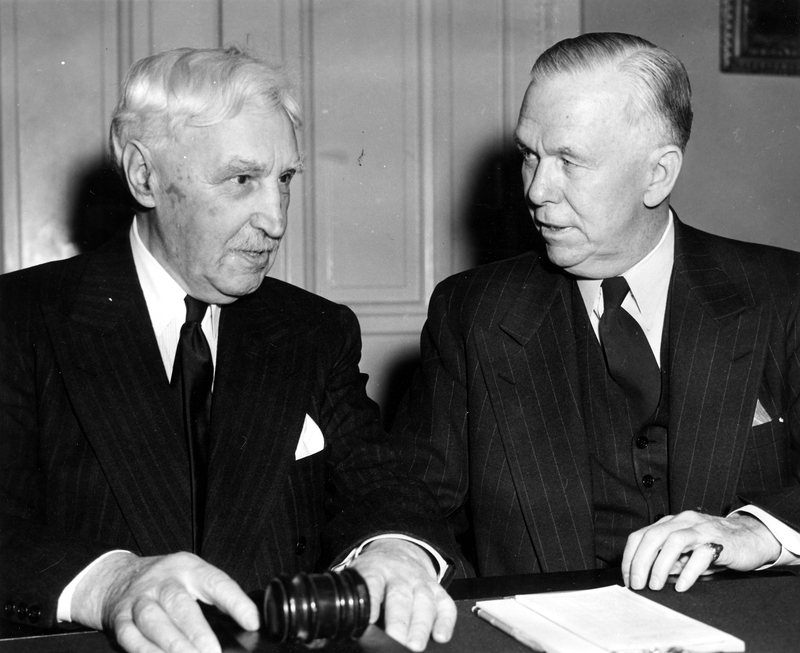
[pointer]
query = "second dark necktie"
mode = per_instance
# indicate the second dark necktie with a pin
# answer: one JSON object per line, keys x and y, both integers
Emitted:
{"x": 193, "y": 374}
{"x": 628, "y": 354}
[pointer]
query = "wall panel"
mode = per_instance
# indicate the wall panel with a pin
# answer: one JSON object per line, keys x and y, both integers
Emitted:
{"x": 11, "y": 224}
{"x": 409, "y": 106}
{"x": 54, "y": 102}
{"x": 366, "y": 160}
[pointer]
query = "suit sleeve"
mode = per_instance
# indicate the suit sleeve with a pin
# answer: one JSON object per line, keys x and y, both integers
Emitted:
{"x": 780, "y": 437}
{"x": 36, "y": 560}
{"x": 370, "y": 491}
{"x": 432, "y": 420}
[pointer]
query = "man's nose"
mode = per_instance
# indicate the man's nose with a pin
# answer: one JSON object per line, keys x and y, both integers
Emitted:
{"x": 541, "y": 184}
{"x": 270, "y": 213}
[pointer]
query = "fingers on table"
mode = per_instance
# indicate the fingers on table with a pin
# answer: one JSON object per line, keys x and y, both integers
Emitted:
{"x": 414, "y": 613}
{"x": 667, "y": 549}
{"x": 173, "y": 622}
{"x": 700, "y": 560}
{"x": 410, "y": 613}
{"x": 219, "y": 589}
{"x": 446, "y": 614}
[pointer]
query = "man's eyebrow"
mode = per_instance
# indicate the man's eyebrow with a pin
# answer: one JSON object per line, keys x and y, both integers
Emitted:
{"x": 249, "y": 165}
{"x": 568, "y": 151}
{"x": 519, "y": 143}
{"x": 242, "y": 165}
{"x": 580, "y": 156}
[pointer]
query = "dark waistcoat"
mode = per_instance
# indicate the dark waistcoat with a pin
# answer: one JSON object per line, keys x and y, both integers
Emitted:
{"x": 628, "y": 460}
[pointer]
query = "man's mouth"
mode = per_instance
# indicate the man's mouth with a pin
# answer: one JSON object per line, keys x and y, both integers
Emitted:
{"x": 257, "y": 249}
{"x": 256, "y": 255}
{"x": 550, "y": 228}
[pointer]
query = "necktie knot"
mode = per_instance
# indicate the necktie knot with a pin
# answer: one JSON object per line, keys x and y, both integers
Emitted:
{"x": 195, "y": 309}
{"x": 614, "y": 291}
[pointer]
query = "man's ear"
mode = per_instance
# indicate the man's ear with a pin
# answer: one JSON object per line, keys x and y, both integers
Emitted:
{"x": 137, "y": 162}
{"x": 665, "y": 166}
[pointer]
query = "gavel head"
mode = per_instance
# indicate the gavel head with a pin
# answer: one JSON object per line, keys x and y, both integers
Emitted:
{"x": 307, "y": 607}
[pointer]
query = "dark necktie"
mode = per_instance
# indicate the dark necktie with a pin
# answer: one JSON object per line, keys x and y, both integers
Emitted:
{"x": 193, "y": 374}
{"x": 628, "y": 355}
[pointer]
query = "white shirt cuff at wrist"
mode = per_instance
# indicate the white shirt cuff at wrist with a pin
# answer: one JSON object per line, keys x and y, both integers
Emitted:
{"x": 788, "y": 538}
{"x": 64, "y": 609}
{"x": 394, "y": 536}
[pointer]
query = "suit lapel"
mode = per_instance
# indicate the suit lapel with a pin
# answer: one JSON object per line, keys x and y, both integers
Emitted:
{"x": 530, "y": 368}
{"x": 261, "y": 393}
{"x": 109, "y": 357}
{"x": 112, "y": 370}
{"x": 717, "y": 349}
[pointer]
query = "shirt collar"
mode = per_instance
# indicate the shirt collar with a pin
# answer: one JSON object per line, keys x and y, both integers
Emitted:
{"x": 163, "y": 294}
{"x": 648, "y": 279}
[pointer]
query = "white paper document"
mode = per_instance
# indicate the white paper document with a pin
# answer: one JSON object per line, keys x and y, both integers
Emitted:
{"x": 608, "y": 619}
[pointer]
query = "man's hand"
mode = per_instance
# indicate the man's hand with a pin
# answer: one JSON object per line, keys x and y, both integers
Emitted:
{"x": 150, "y": 604}
{"x": 680, "y": 544}
{"x": 400, "y": 575}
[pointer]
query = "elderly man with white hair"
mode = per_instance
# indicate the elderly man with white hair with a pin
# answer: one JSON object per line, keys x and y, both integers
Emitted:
{"x": 174, "y": 426}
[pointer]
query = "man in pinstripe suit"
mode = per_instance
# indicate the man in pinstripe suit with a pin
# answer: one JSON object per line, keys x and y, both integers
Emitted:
{"x": 539, "y": 457}
{"x": 97, "y": 501}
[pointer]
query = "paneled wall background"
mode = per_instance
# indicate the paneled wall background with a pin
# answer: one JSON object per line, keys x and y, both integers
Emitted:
{"x": 409, "y": 106}
{"x": 742, "y": 166}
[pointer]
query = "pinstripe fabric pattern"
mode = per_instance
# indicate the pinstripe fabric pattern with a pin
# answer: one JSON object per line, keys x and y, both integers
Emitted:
{"x": 493, "y": 420}
{"x": 93, "y": 458}
{"x": 622, "y": 503}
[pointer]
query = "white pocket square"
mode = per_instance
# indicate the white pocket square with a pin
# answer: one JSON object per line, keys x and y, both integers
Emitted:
{"x": 311, "y": 440}
{"x": 761, "y": 416}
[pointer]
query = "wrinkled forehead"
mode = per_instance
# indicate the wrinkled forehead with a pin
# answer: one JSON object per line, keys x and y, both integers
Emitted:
{"x": 574, "y": 98}
{"x": 603, "y": 81}
{"x": 256, "y": 140}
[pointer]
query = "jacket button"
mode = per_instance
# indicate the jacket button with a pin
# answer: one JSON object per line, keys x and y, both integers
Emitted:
{"x": 642, "y": 442}
{"x": 34, "y": 612}
{"x": 300, "y": 545}
{"x": 648, "y": 481}
{"x": 9, "y": 610}
{"x": 22, "y": 610}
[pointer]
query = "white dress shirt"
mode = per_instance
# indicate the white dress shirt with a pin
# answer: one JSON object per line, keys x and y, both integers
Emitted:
{"x": 647, "y": 300}
{"x": 164, "y": 298}
{"x": 647, "y": 303}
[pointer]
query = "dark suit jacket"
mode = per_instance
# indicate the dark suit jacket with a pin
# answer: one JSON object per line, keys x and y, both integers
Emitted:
{"x": 494, "y": 419}
{"x": 92, "y": 451}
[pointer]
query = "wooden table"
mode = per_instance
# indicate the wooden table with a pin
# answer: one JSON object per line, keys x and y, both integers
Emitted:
{"x": 761, "y": 608}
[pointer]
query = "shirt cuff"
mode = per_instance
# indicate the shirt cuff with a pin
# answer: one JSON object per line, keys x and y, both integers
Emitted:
{"x": 787, "y": 537}
{"x": 64, "y": 609}
{"x": 437, "y": 559}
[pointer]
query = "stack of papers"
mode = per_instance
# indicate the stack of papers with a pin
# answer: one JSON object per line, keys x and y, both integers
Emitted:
{"x": 607, "y": 619}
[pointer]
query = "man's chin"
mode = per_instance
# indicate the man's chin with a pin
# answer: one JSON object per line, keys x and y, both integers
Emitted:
{"x": 563, "y": 257}
{"x": 232, "y": 288}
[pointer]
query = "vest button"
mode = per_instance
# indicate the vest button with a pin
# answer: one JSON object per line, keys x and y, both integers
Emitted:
{"x": 9, "y": 610}
{"x": 34, "y": 612}
{"x": 642, "y": 442}
{"x": 648, "y": 481}
{"x": 22, "y": 610}
{"x": 300, "y": 545}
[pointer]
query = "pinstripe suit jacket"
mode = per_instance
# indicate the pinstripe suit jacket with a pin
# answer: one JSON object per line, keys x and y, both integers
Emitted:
{"x": 494, "y": 418}
{"x": 92, "y": 452}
